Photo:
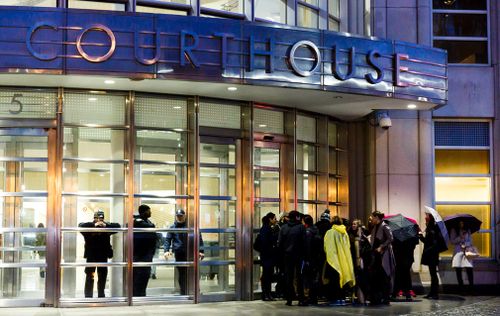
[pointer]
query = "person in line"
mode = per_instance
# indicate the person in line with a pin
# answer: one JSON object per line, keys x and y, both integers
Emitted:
{"x": 462, "y": 240}
{"x": 177, "y": 242}
{"x": 403, "y": 253}
{"x": 97, "y": 249}
{"x": 291, "y": 243}
{"x": 310, "y": 271}
{"x": 324, "y": 224}
{"x": 430, "y": 254}
{"x": 41, "y": 241}
{"x": 360, "y": 249}
{"x": 280, "y": 265}
{"x": 267, "y": 253}
{"x": 144, "y": 249}
{"x": 382, "y": 267}
{"x": 340, "y": 270}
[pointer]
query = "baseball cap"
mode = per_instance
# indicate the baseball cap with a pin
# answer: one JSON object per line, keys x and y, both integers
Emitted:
{"x": 180, "y": 213}
{"x": 99, "y": 214}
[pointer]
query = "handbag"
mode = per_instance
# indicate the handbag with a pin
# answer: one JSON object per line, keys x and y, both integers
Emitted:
{"x": 471, "y": 252}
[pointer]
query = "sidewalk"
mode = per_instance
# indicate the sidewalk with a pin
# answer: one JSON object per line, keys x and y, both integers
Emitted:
{"x": 447, "y": 305}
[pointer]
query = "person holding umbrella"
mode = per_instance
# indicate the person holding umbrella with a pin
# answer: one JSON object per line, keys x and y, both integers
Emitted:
{"x": 461, "y": 226}
{"x": 430, "y": 255}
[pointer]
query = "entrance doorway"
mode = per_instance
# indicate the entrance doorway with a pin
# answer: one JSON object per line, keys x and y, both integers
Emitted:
{"x": 24, "y": 204}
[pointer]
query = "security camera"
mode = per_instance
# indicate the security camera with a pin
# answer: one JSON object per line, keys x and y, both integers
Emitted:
{"x": 385, "y": 122}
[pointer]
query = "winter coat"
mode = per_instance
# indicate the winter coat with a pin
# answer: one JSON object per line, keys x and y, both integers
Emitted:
{"x": 430, "y": 255}
{"x": 291, "y": 240}
{"x": 313, "y": 245}
{"x": 98, "y": 245}
{"x": 268, "y": 241}
{"x": 381, "y": 236}
{"x": 338, "y": 254}
{"x": 178, "y": 241}
{"x": 144, "y": 242}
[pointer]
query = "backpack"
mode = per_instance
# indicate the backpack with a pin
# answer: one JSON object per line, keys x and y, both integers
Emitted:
{"x": 257, "y": 244}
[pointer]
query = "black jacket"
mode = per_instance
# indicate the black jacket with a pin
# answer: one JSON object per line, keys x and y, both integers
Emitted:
{"x": 144, "y": 242}
{"x": 178, "y": 240}
{"x": 269, "y": 242}
{"x": 291, "y": 239}
{"x": 430, "y": 255}
{"x": 313, "y": 245}
{"x": 98, "y": 245}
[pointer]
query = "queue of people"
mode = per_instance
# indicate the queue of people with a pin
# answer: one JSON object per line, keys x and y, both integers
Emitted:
{"x": 338, "y": 262}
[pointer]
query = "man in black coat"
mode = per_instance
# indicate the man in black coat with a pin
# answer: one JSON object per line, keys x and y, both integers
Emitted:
{"x": 178, "y": 243}
{"x": 144, "y": 249}
{"x": 97, "y": 249}
{"x": 291, "y": 243}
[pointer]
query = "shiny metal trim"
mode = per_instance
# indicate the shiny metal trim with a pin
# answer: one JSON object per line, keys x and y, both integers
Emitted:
{"x": 218, "y": 230}
{"x": 66, "y": 159}
{"x": 10, "y": 302}
{"x": 155, "y": 162}
{"x": 28, "y": 123}
{"x": 92, "y": 264}
{"x": 94, "y": 195}
{"x": 118, "y": 127}
{"x": 23, "y": 248}
{"x": 129, "y": 212}
{"x": 157, "y": 196}
{"x": 96, "y": 59}
{"x": 24, "y": 194}
{"x": 217, "y": 165}
{"x": 93, "y": 230}
{"x": 21, "y": 159}
{"x": 165, "y": 263}
{"x": 22, "y": 230}
{"x": 22, "y": 265}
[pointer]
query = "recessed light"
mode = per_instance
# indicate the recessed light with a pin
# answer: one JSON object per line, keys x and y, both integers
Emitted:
{"x": 177, "y": 107}
{"x": 92, "y": 99}
{"x": 411, "y": 106}
{"x": 232, "y": 88}
{"x": 109, "y": 81}
{"x": 262, "y": 125}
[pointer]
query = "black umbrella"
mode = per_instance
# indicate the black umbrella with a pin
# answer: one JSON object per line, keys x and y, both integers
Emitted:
{"x": 470, "y": 222}
{"x": 403, "y": 228}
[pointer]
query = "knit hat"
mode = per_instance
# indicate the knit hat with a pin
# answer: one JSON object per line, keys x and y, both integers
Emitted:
{"x": 325, "y": 215}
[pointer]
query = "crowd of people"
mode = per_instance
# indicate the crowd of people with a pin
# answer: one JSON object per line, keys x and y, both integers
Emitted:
{"x": 340, "y": 262}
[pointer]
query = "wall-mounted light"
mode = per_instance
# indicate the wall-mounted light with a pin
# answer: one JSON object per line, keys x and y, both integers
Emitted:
{"x": 411, "y": 106}
{"x": 383, "y": 119}
{"x": 232, "y": 88}
{"x": 109, "y": 81}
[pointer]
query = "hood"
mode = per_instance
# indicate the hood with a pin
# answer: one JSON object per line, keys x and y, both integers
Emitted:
{"x": 340, "y": 228}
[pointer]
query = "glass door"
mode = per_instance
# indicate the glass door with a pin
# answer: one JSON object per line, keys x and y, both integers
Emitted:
{"x": 23, "y": 215}
{"x": 266, "y": 168}
{"x": 218, "y": 204}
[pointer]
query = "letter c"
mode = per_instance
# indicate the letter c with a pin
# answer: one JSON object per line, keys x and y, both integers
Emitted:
{"x": 29, "y": 37}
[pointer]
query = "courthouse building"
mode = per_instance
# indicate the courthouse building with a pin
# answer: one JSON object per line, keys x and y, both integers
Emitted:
{"x": 229, "y": 109}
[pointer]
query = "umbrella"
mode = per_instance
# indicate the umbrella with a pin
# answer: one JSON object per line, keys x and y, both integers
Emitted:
{"x": 470, "y": 222}
{"x": 439, "y": 222}
{"x": 402, "y": 227}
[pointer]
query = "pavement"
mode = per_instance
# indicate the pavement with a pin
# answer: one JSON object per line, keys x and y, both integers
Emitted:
{"x": 446, "y": 305}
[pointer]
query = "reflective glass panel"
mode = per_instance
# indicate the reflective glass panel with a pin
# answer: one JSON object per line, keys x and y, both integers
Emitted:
{"x": 333, "y": 25}
{"x": 221, "y": 278}
{"x": 332, "y": 189}
{"x": 462, "y": 161}
{"x": 306, "y": 187}
{"x": 267, "y": 121}
{"x": 219, "y": 114}
{"x": 25, "y": 212}
{"x": 332, "y": 134}
{"x": 22, "y": 283}
{"x": 481, "y": 212}
{"x": 235, "y": 6}
{"x": 169, "y": 280}
{"x": 307, "y": 17}
{"x": 94, "y": 108}
{"x": 31, "y": 3}
{"x": 218, "y": 154}
{"x": 305, "y": 208}
{"x": 81, "y": 209}
{"x": 96, "y": 143}
{"x": 334, "y": 8}
{"x": 85, "y": 177}
{"x": 448, "y": 24}
{"x": 267, "y": 184}
{"x": 271, "y": 10}
{"x": 144, "y": 9}
{"x": 262, "y": 208}
{"x": 306, "y": 128}
{"x": 464, "y": 189}
{"x": 73, "y": 282}
{"x": 161, "y": 146}
{"x": 459, "y": 4}
{"x": 160, "y": 112}
{"x": 27, "y": 104}
{"x": 95, "y": 5}
{"x": 465, "y": 52}
{"x": 306, "y": 157}
{"x": 267, "y": 157}
{"x": 332, "y": 164}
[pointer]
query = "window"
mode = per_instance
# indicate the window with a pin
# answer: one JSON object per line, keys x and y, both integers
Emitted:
{"x": 307, "y": 153}
{"x": 270, "y": 10}
{"x": 308, "y": 13}
{"x": 96, "y": 5}
{"x": 30, "y": 3}
{"x": 334, "y": 15}
{"x": 463, "y": 175}
{"x": 233, "y": 6}
{"x": 177, "y": 7}
{"x": 461, "y": 27}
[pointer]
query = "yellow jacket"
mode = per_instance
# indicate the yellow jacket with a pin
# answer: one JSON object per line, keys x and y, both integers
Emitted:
{"x": 338, "y": 254}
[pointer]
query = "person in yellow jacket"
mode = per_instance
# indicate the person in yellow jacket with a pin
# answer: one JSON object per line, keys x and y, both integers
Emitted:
{"x": 339, "y": 269}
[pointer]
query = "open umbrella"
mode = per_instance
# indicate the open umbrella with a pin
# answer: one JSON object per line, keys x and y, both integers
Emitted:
{"x": 470, "y": 222}
{"x": 439, "y": 222}
{"x": 402, "y": 227}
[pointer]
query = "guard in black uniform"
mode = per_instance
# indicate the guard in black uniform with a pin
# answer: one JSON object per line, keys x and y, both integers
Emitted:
{"x": 97, "y": 249}
{"x": 144, "y": 249}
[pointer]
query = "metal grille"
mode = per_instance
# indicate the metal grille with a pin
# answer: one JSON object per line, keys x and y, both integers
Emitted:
{"x": 94, "y": 109}
{"x": 220, "y": 115}
{"x": 161, "y": 112}
{"x": 267, "y": 121}
{"x": 306, "y": 128}
{"x": 462, "y": 134}
{"x": 23, "y": 104}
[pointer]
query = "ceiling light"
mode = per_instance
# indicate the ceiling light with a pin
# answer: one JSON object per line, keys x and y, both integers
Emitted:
{"x": 411, "y": 106}
{"x": 262, "y": 125}
{"x": 177, "y": 107}
{"x": 232, "y": 88}
{"x": 109, "y": 81}
{"x": 92, "y": 99}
